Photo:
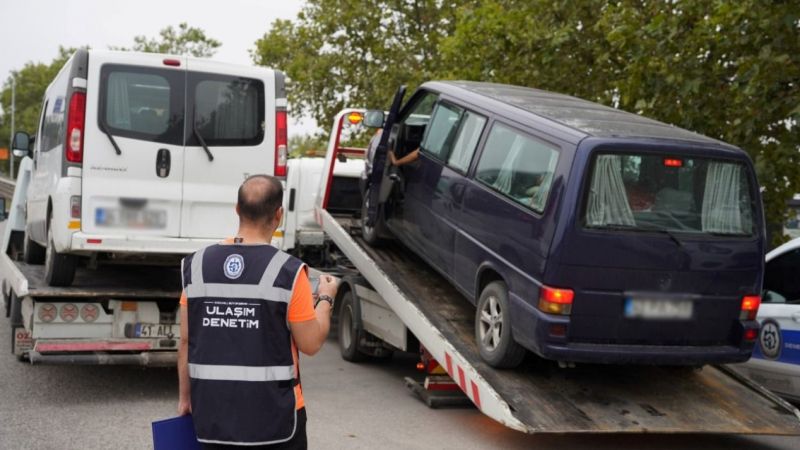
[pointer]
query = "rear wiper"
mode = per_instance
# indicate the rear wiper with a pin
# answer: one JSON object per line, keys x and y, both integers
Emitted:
{"x": 197, "y": 133}
{"x": 110, "y": 137}
{"x": 622, "y": 227}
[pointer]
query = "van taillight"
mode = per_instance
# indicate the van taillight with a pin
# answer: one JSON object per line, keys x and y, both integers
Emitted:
{"x": 75, "y": 124}
{"x": 750, "y": 304}
{"x": 555, "y": 300}
{"x": 281, "y": 151}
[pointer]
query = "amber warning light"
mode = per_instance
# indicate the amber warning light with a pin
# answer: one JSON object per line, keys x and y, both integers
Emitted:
{"x": 355, "y": 118}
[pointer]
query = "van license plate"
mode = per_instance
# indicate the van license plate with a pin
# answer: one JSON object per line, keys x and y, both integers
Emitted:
{"x": 647, "y": 308}
{"x": 131, "y": 218}
{"x": 157, "y": 330}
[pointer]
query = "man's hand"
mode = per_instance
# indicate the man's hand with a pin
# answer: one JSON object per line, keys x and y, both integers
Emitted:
{"x": 184, "y": 407}
{"x": 392, "y": 158}
{"x": 328, "y": 285}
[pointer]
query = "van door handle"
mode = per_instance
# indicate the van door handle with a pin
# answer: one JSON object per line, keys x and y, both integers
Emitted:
{"x": 163, "y": 163}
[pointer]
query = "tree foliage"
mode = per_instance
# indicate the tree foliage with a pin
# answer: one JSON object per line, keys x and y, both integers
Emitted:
{"x": 31, "y": 82}
{"x": 341, "y": 53}
{"x": 729, "y": 70}
{"x": 185, "y": 40}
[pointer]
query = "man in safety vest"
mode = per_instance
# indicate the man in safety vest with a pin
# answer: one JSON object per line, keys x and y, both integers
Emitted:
{"x": 246, "y": 309}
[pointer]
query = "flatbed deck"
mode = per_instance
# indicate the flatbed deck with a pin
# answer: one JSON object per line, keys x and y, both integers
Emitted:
{"x": 119, "y": 282}
{"x": 539, "y": 396}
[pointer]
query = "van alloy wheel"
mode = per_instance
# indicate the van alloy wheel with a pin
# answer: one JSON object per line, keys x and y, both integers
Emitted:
{"x": 493, "y": 333}
{"x": 491, "y": 324}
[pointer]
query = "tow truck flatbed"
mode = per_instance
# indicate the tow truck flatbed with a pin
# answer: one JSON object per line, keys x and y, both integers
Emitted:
{"x": 540, "y": 397}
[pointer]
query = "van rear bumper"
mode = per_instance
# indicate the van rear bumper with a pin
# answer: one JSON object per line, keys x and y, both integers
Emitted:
{"x": 83, "y": 243}
{"x": 532, "y": 330}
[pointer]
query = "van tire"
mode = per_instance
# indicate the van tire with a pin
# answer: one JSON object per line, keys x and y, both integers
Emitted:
{"x": 32, "y": 253}
{"x": 493, "y": 334}
{"x": 349, "y": 330}
{"x": 372, "y": 235}
{"x": 59, "y": 269}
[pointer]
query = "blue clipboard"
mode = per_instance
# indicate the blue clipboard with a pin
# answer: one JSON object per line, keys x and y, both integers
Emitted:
{"x": 176, "y": 433}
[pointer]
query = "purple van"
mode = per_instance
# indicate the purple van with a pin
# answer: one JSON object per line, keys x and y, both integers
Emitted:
{"x": 581, "y": 232}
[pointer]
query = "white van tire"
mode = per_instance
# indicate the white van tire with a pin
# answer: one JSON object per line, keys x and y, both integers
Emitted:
{"x": 32, "y": 253}
{"x": 493, "y": 335}
{"x": 59, "y": 269}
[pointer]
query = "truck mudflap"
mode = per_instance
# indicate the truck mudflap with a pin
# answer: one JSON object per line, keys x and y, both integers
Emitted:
{"x": 540, "y": 397}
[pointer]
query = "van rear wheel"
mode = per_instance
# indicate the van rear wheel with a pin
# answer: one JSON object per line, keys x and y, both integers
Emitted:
{"x": 59, "y": 269}
{"x": 493, "y": 335}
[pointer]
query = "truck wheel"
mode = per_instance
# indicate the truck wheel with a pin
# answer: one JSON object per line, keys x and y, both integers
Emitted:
{"x": 32, "y": 252}
{"x": 59, "y": 269}
{"x": 371, "y": 234}
{"x": 349, "y": 329}
{"x": 493, "y": 328}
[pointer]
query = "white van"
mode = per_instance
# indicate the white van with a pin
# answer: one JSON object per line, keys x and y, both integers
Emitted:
{"x": 138, "y": 156}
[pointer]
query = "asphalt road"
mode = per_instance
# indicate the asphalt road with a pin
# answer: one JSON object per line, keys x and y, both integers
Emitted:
{"x": 350, "y": 406}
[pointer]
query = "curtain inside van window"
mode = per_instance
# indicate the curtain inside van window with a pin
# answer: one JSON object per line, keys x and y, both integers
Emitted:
{"x": 608, "y": 204}
{"x": 227, "y": 112}
{"x": 118, "y": 106}
{"x": 722, "y": 211}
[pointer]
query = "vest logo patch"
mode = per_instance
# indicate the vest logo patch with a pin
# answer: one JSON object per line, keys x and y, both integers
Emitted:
{"x": 234, "y": 266}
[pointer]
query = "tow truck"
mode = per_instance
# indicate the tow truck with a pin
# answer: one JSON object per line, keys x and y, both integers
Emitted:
{"x": 392, "y": 301}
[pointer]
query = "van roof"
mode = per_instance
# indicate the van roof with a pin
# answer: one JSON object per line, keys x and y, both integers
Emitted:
{"x": 588, "y": 118}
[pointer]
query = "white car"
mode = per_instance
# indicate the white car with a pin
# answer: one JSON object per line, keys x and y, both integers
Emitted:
{"x": 138, "y": 157}
{"x": 776, "y": 359}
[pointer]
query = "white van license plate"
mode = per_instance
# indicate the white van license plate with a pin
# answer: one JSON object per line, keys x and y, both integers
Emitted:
{"x": 157, "y": 330}
{"x": 648, "y": 308}
{"x": 130, "y": 218}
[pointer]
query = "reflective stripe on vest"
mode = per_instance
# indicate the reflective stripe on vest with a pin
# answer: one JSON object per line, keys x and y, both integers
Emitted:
{"x": 241, "y": 373}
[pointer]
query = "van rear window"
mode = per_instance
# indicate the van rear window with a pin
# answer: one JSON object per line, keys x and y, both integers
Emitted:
{"x": 649, "y": 192}
{"x": 229, "y": 111}
{"x": 142, "y": 103}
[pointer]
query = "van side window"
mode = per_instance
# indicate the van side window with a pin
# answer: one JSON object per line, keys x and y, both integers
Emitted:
{"x": 414, "y": 122}
{"x": 442, "y": 130}
{"x": 781, "y": 284}
{"x": 468, "y": 136}
{"x": 53, "y": 126}
{"x": 228, "y": 111}
{"x": 40, "y": 139}
{"x": 517, "y": 166}
{"x": 142, "y": 103}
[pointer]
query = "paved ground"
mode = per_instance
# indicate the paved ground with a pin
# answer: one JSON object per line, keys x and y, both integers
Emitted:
{"x": 350, "y": 406}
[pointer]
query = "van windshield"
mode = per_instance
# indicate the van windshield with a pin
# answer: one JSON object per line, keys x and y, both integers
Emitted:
{"x": 650, "y": 192}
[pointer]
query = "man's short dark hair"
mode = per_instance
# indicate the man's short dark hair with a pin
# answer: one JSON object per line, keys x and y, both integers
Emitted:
{"x": 260, "y": 196}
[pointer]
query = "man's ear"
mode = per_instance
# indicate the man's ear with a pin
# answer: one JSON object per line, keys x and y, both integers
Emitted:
{"x": 237, "y": 209}
{"x": 278, "y": 216}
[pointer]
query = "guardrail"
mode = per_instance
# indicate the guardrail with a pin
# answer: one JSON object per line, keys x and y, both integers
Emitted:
{"x": 7, "y": 188}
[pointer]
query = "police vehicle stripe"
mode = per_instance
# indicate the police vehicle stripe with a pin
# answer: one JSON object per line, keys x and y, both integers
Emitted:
{"x": 241, "y": 373}
{"x": 249, "y": 291}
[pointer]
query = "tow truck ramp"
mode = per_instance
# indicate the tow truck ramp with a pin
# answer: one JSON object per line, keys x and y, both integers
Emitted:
{"x": 540, "y": 397}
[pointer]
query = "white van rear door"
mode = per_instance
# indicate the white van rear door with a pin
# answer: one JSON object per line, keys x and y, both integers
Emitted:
{"x": 135, "y": 188}
{"x": 233, "y": 112}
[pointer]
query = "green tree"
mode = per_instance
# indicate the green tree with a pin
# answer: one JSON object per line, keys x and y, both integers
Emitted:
{"x": 31, "y": 82}
{"x": 729, "y": 70}
{"x": 185, "y": 40}
{"x": 349, "y": 52}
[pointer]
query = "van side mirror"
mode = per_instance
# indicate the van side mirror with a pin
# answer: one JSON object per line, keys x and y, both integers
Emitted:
{"x": 374, "y": 118}
{"x": 21, "y": 144}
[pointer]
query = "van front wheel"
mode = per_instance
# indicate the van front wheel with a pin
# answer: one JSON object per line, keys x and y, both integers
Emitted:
{"x": 59, "y": 269}
{"x": 493, "y": 328}
{"x": 372, "y": 234}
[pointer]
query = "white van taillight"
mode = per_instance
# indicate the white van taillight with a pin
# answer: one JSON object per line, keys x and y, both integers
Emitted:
{"x": 750, "y": 304}
{"x": 75, "y": 122}
{"x": 281, "y": 150}
{"x": 75, "y": 207}
{"x": 555, "y": 300}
